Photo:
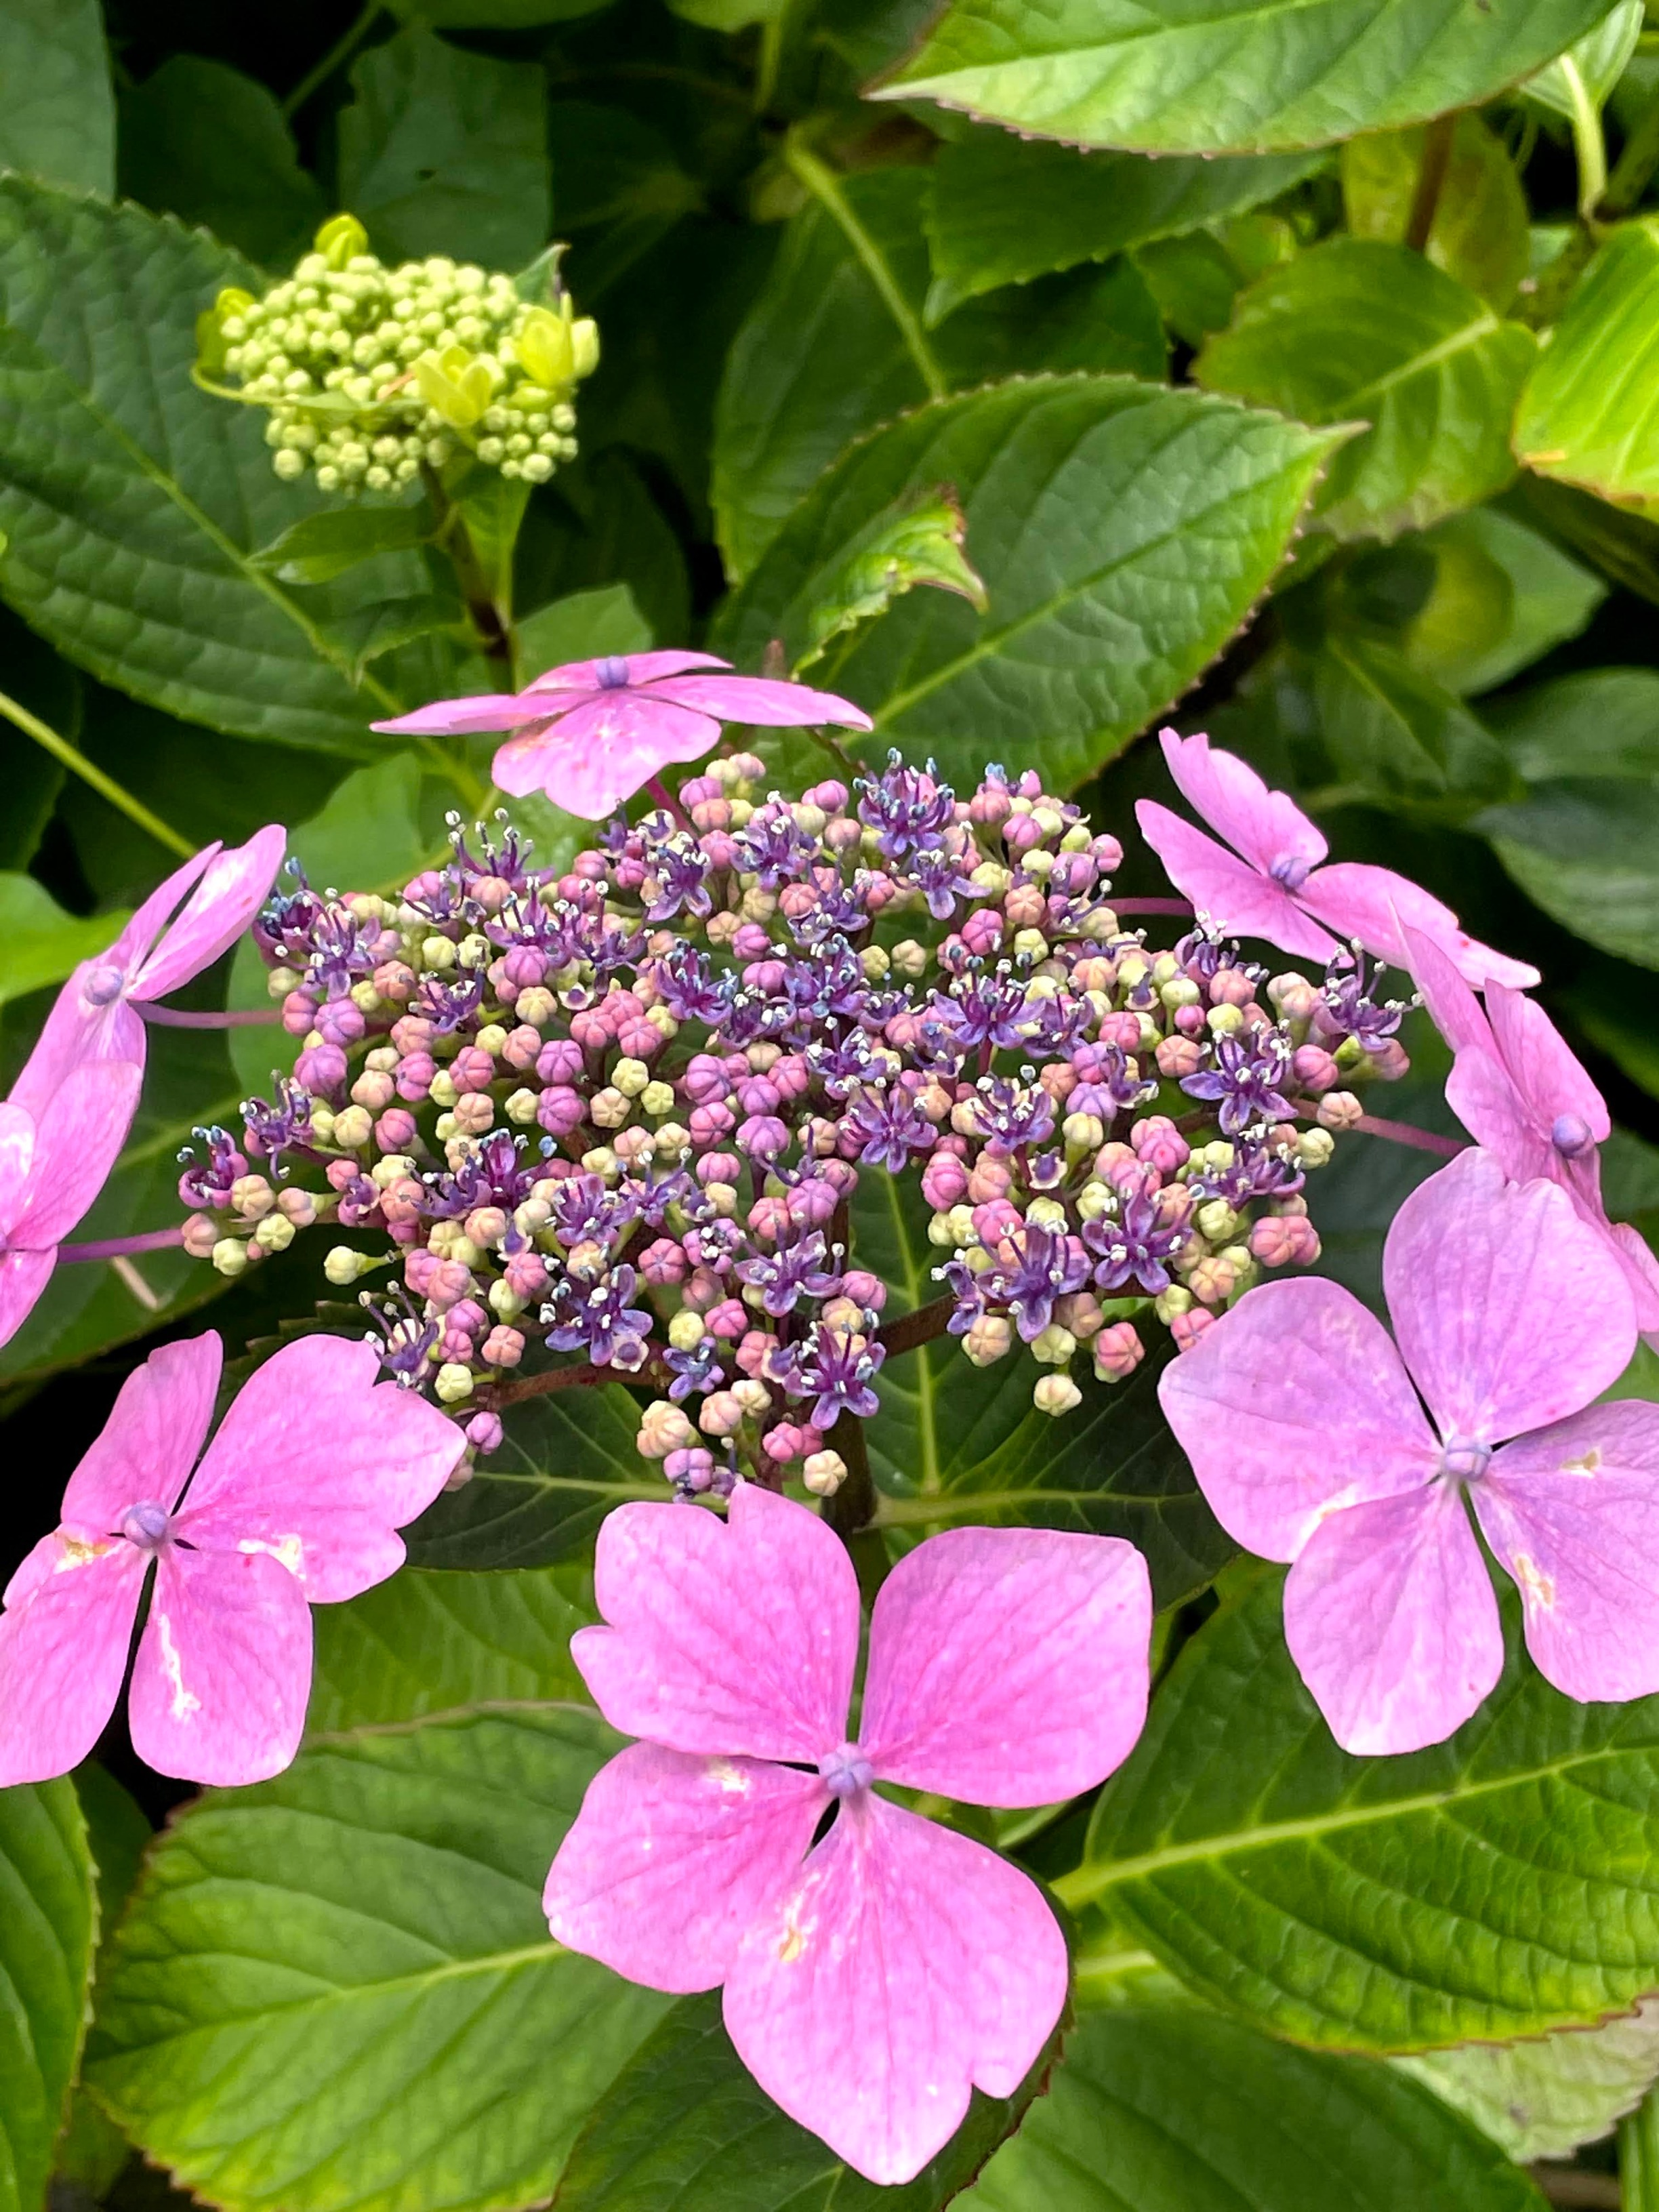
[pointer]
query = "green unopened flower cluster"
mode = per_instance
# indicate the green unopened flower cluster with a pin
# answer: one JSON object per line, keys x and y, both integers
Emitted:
{"x": 370, "y": 371}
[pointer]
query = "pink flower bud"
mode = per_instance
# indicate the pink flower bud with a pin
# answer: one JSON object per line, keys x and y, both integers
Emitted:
{"x": 340, "y": 1022}
{"x": 1389, "y": 1059}
{"x": 401, "y": 1201}
{"x": 560, "y": 1109}
{"x": 755, "y": 1349}
{"x": 981, "y": 933}
{"x": 483, "y": 1433}
{"x": 200, "y": 1235}
{"x": 729, "y": 1320}
{"x": 749, "y": 941}
{"x": 299, "y": 1012}
{"x": 559, "y": 1062}
{"x": 395, "y": 979}
{"x": 1340, "y": 1110}
{"x": 812, "y": 1203}
{"x": 944, "y": 1181}
{"x": 664, "y": 1263}
{"x": 1158, "y": 1143}
{"x": 786, "y": 1442}
{"x": 395, "y": 1130}
{"x": 502, "y": 1347}
{"x": 1118, "y": 1352}
{"x": 1020, "y": 832}
{"x": 471, "y": 1069}
{"x": 995, "y": 1219}
{"x": 989, "y": 807}
{"x": 1314, "y": 1069}
{"x": 525, "y": 966}
{"x": 721, "y": 1414}
{"x": 691, "y": 1466}
{"x": 988, "y": 1179}
{"x": 411, "y": 1033}
{"x": 526, "y": 1275}
{"x": 762, "y": 1136}
{"x": 719, "y": 1167}
{"x": 1189, "y": 1021}
{"x": 709, "y": 1124}
{"x": 523, "y": 1047}
{"x": 321, "y": 1069}
{"x": 1178, "y": 1056}
{"x": 1187, "y": 1328}
{"x": 415, "y": 1073}
{"x": 863, "y": 1288}
{"x": 1284, "y": 1240}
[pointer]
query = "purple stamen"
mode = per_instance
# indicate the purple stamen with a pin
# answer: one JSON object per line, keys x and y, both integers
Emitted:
{"x": 1465, "y": 1459}
{"x": 146, "y": 1525}
{"x": 105, "y": 985}
{"x": 611, "y": 673}
{"x": 1570, "y": 1136}
{"x": 1290, "y": 871}
{"x": 847, "y": 1771}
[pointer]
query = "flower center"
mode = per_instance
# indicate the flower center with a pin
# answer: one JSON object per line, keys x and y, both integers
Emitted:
{"x": 1570, "y": 1136}
{"x": 1290, "y": 871}
{"x": 105, "y": 985}
{"x": 1464, "y": 1459}
{"x": 146, "y": 1525}
{"x": 845, "y": 1772}
{"x": 611, "y": 673}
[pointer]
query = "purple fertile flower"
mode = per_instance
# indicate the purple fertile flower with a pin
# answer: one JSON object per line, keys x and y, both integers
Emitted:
{"x": 1349, "y": 1008}
{"x": 836, "y": 1366}
{"x": 492, "y": 1175}
{"x": 907, "y": 808}
{"x": 1246, "y": 1079}
{"x": 1259, "y": 1169}
{"x": 598, "y": 1319}
{"x": 207, "y": 1182}
{"x": 690, "y": 989}
{"x": 677, "y": 882}
{"x": 782, "y": 1276}
{"x": 586, "y": 1209}
{"x": 285, "y": 1126}
{"x": 1133, "y": 1244}
{"x": 1107, "y": 1087}
{"x": 942, "y": 878}
{"x": 985, "y": 1010}
{"x": 889, "y": 1126}
{"x": 775, "y": 848}
{"x": 450, "y": 1005}
{"x": 1011, "y": 1115}
{"x": 695, "y": 1371}
{"x": 1051, "y": 1265}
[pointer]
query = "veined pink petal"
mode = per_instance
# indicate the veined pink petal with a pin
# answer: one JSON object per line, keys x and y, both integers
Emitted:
{"x": 734, "y": 1639}
{"x": 1641, "y": 1268}
{"x": 23, "y": 1276}
{"x": 1292, "y": 1408}
{"x": 457, "y": 717}
{"x": 150, "y": 1441}
{"x": 16, "y": 1157}
{"x": 1377, "y": 907}
{"x": 1549, "y": 1076}
{"x": 77, "y": 1032}
{"x": 224, "y": 1670}
{"x": 133, "y": 946}
{"x": 1263, "y": 824}
{"x": 1511, "y": 1311}
{"x": 64, "y": 1640}
{"x": 1390, "y": 1618}
{"x": 319, "y": 1464}
{"x": 76, "y": 1144}
{"x": 1452, "y": 1006}
{"x": 1572, "y": 1512}
{"x": 905, "y": 1965}
{"x": 603, "y": 750}
{"x": 231, "y": 892}
{"x": 643, "y": 668}
{"x": 1482, "y": 1093}
{"x": 761, "y": 701}
{"x": 1008, "y": 1666}
{"x": 1234, "y": 895}
{"x": 672, "y": 1856}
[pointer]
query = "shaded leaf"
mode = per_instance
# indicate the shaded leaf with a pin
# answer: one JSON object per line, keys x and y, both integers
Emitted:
{"x": 57, "y": 110}
{"x": 1618, "y": 1009}
{"x": 319, "y": 547}
{"x": 1604, "y": 721}
{"x": 48, "y": 1926}
{"x": 1622, "y": 544}
{"x": 39, "y": 944}
{"x": 1478, "y": 233}
{"x": 1542, "y": 2098}
{"x": 1591, "y": 66}
{"x": 92, "y": 2150}
{"x": 201, "y": 141}
{"x": 368, "y": 633}
{"x": 1588, "y": 414}
{"x": 1399, "y": 739}
{"x": 585, "y": 626}
{"x": 921, "y": 545}
{"x": 1588, "y": 852}
{"x": 1503, "y": 596}
{"x": 494, "y": 15}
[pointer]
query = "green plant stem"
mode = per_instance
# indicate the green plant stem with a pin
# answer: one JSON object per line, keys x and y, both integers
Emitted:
{"x": 1430, "y": 180}
{"x": 1638, "y": 2155}
{"x": 1588, "y": 143}
{"x": 1635, "y": 165}
{"x": 854, "y": 1505}
{"x": 106, "y": 786}
{"x": 477, "y": 588}
{"x": 825, "y": 187}
{"x": 771, "y": 58}
{"x": 337, "y": 57}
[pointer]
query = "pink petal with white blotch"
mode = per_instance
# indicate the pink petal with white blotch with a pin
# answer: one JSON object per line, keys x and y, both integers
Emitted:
{"x": 1232, "y": 895}
{"x": 1377, "y": 907}
{"x": 77, "y": 1143}
{"x": 671, "y": 1857}
{"x": 1294, "y": 1406}
{"x": 1509, "y": 1311}
{"x": 1008, "y": 1666}
{"x": 643, "y": 668}
{"x": 458, "y": 718}
{"x": 905, "y": 1965}
{"x": 760, "y": 700}
{"x": 1390, "y": 1618}
{"x": 223, "y": 1671}
{"x": 1263, "y": 824}
{"x": 1572, "y": 1513}
{"x": 319, "y": 1464}
{"x": 603, "y": 750}
{"x": 64, "y": 1640}
{"x": 733, "y": 1637}
{"x": 231, "y": 892}
{"x": 149, "y": 1443}
{"x": 23, "y": 1276}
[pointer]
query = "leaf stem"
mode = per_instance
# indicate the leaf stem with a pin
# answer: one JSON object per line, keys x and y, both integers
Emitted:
{"x": 915, "y": 1329}
{"x": 337, "y": 57}
{"x": 1587, "y": 144}
{"x": 106, "y": 786}
{"x": 479, "y": 590}
{"x": 1403, "y": 1133}
{"x": 1430, "y": 180}
{"x": 825, "y": 187}
{"x": 1635, "y": 165}
{"x": 1638, "y": 2155}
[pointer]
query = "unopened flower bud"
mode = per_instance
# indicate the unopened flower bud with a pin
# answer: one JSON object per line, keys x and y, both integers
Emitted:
{"x": 1056, "y": 1395}
{"x": 200, "y": 1235}
{"x": 686, "y": 1331}
{"x": 454, "y": 1383}
{"x": 229, "y": 1257}
{"x": 824, "y": 1473}
{"x": 1054, "y": 1345}
{"x": 1118, "y": 1351}
{"x": 1340, "y": 1110}
{"x": 483, "y": 1433}
{"x": 989, "y": 1338}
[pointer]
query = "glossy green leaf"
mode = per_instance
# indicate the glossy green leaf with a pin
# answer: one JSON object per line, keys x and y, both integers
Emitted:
{"x": 1542, "y": 2098}
{"x": 1002, "y": 210}
{"x": 39, "y": 944}
{"x": 370, "y": 633}
{"x": 834, "y": 346}
{"x": 1356, "y": 330}
{"x": 1123, "y": 532}
{"x": 1211, "y": 78}
{"x": 360, "y": 1944}
{"x": 424, "y": 1643}
{"x": 48, "y": 1927}
{"x": 128, "y": 498}
{"x": 1401, "y": 739}
{"x": 1359, "y": 1903}
{"x": 583, "y": 626}
{"x": 1589, "y": 414}
{"x": 1588, "y": 852}
{"x": 920, "y": 544}
{"x": 92, "y": 2150}
{"x": 322, "y": 546}
{"x": 1623, "y": 544}
{"x": 567, "y": 1458}
{"x": 1162, "y": 2108}
{"x": 1194, "y": 281}
{"x": 1618, "y": 1009}
{"x": 1487, "y": 564}
{"x": 618, "y": 189}
{"x": 1603, "y": 722}
{"x": 1479, "y": 232}
{"x": 57, "y": 110}
{"x": 1585, "y": 75}
{"x": 685, "y": 2128}
{"x": 445, "y": 151}
{"x": 201, "y": 141}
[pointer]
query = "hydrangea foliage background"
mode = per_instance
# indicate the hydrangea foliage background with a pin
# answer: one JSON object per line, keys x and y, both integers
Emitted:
{"x": 1022, "y": 386}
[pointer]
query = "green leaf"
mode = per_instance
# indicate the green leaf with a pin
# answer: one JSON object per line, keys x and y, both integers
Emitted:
{"x": 833, "y": 345}
{"x": 1587, "y": 851}
{"x": 368, "y": 633}
{"x": 57, "y": 110}
{"x": 1624, "y": 545}
{"x": 319, "y": 547}
{"x": 618, "y": 189}
{"x": 1542, "y": 2098}
{"x": 1162, "y": 2108}
{"x": 201, "y": 141}
{"x": 1212, "y": 77}
{"x": 1374, "y": 1903}
{"x": 39, "y": 944}
{"x": 1123, "y": 532}
{"x": 1355, "y": 330}
{"x": 920, "y": 544}
{"x": 1604, "y": 721}
{"x": 92, "y": 2150}
{"x": 424, "y": 1643}
{"x": 493, "y": 15}
{"x": 597, "y": 524}
{"x": 1616, "y": 1008}
{"x": 1587, "y": 414}
{"x": 359, "y": 1947}
{"x": 444, "y": 151}
{"x": 48, "y": 1926}
{"x": 1194, "y": 281}
{"x": 127, "y": 497}
{"x": 1478, "y": 233}
{"x": 567, "y": 1458}
{"x": 686, "y": 2128}
{"x": 1001, "y": 209}
{"x": 1503, "y": 596}
{"x": 1400, "y": 739}
{"x": 1591, "y": 66}
{"x": 585, "y": 626}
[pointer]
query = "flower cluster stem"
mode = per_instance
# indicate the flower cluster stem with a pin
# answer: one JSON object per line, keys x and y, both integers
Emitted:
{"x": 177, "y": 1018}
{"x": 854, "y": 1505}
{"x": 123, "y": 1247}
{"x": 1430, "y": 180}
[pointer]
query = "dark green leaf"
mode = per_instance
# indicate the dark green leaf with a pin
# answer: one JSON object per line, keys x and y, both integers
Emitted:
{"x": 1618, "y": 1009}
{"x": 1624, "y": 545}
{"x": 39, "y": 944}
{"x": 493, "y": 15}
{"x": 1399, "y": 740}
{"x": 1588, "y": 852}
{"x": 368, "y": 633}
{"x": 598, "y": 524}
{"x": 92, "y": 2150}
{"x": 1162, "y": 2108}
{"x": 48, "y": 1926}
{"x": 1586, "y": 415}
{"x": 360, "y": 1944}
{"x": 1357, "y": 331}
{"x": 1364, "y": 1902}
{"x": 1097, "y": 510}
{"x": 1003, "y": 209}
{"x": 57, "y": 111}
{"x": 1503, "y": 596}
{"x": 1542, "y": 2098}
{"x": 319, "y": 547}
{"x": 618, "y": 189}
{"x": 1478, "y": 233}
{"x": 1194, "y": 281}
{"x": 922, "y": 544}
{"x": 685, "y": 2128}
{"x": 1603, "y": 722}
{"x": 201, "y": 141}
{"x": 583, "y": 626}
{"x": 445, "y": 151}
{"x": 1216, "y": 78}
{"x": 1591, "y": 66}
